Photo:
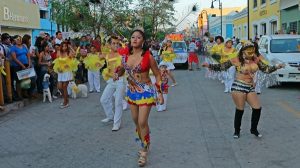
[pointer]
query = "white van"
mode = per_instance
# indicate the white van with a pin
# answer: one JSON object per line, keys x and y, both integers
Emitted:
{"x": 282, "y": 49}
{"x": 180, "y": 49}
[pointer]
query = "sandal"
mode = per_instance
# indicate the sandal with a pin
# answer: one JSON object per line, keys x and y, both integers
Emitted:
{"x": 140, "y": 151}
{"x": 174, "y": 84}
{"x": 142, "y": 159}
{"x": 64, "y": 106}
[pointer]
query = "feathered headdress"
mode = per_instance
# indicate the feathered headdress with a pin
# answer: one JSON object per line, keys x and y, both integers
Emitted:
{"x": 247, "y": 44}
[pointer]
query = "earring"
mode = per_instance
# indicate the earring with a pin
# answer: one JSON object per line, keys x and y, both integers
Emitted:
{"x": 143, "y": 45}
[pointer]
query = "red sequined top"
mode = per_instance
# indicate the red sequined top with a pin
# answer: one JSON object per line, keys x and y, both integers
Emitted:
{"x": 143, "y": 66}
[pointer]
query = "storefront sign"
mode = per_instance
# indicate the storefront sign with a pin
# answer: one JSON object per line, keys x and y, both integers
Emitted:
{"x": 16, "y": 13}
{"x": 8, "y": 15}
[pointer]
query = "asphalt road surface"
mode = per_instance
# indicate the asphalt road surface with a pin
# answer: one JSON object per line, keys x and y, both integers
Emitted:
{"x": 195, "y": 132}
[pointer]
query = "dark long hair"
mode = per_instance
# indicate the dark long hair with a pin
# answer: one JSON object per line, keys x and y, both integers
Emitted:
{"x": 38, "y": 43}
{"x": 26, "y": 40}
{"x": 256, "y": 49}
{"x": 145, "y": 45}
{"x": 62, "y": 45}
{"x": 43, "y": 46}
{"x": 165, "y": 49}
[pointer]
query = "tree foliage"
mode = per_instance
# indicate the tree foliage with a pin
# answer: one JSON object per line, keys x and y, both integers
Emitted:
{"x": 155, "y": 15}
{"x": 89, "y": 15}
{"x": 114, "y": 16}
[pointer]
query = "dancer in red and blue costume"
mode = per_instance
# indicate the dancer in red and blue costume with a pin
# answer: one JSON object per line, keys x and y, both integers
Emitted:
{"x": 141, "y": 93}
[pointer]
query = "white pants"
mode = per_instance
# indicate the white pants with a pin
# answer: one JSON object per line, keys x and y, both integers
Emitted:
{"x": 229, "y": 78}
{"x": 94, "y": 80}
{"x": 163, "y": 106}
{"x": 113, "y": 88}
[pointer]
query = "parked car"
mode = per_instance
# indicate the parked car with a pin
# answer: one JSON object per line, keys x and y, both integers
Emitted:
{"x": 181, "y": 52}
{"x": 283, "y": 49}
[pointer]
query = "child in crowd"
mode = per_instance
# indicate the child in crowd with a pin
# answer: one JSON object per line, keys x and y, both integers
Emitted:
{"x": 93, "y": 63}
{"x": 164, "y": 79}
{"x": 81, "y": 54}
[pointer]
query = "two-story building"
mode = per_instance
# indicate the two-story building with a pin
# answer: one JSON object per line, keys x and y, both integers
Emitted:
{"x": 240, "y": 24}
{"x": 227, "y": 25}
{"x": 213, "y": 21}
{"x": 264, "y": 17}
{"x": 46, "y": 22}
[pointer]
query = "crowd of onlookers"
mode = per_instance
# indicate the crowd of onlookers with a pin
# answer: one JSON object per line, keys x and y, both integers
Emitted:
{"x": 21, "y": 55}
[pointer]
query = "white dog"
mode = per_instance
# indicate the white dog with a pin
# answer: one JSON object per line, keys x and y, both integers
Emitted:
{"x": 46, "y": 89}
{"x": 75, "y": 90}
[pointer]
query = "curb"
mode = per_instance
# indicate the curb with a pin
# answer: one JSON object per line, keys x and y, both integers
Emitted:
{"x": 6, "y": 109}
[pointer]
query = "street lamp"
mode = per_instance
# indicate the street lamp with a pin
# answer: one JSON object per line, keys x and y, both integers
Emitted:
{"x": 221, "y": 9}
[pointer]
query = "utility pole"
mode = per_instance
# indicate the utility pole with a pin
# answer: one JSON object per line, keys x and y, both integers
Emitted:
{"x": 248, "y": 19}
{"x": 221, "y": 10}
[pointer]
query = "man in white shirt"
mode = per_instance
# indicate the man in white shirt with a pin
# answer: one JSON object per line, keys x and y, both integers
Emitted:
{"x": 59, "y": 38}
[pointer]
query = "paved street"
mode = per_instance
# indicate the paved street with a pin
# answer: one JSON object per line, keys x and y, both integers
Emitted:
{"x": 195, "y": 132}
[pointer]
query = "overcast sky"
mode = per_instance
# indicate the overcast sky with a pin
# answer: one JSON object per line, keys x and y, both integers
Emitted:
{"x": 183, "y": 7}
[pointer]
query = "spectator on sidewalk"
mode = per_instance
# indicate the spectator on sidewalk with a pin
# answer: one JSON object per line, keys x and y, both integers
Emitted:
{"x": 20, "y": 61}
{"x": 3, "y": 53}
{"x": 97, "y": 43}
{"x": 38, "y": 49}
{"x": 58, "y": 38}
{"x": 6, "y": 41}
{"x": 54, "y": 53}
{"x": 26, "y": 41}
{"x": 45, "y": 63}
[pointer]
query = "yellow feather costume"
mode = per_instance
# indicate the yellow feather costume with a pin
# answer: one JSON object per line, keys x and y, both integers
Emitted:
{"x": 168, "y": 56}
{"x": 93, "y": 62}
{"x": 225, "y": 56}
{"x": 217, "y": 49}
{"x": 112, "y": 64}
{"x": 66, "y": 64}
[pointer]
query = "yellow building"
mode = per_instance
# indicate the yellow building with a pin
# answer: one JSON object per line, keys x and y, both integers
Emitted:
{"x": 240, "y": 25}
{"x": 264, "y": 17}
